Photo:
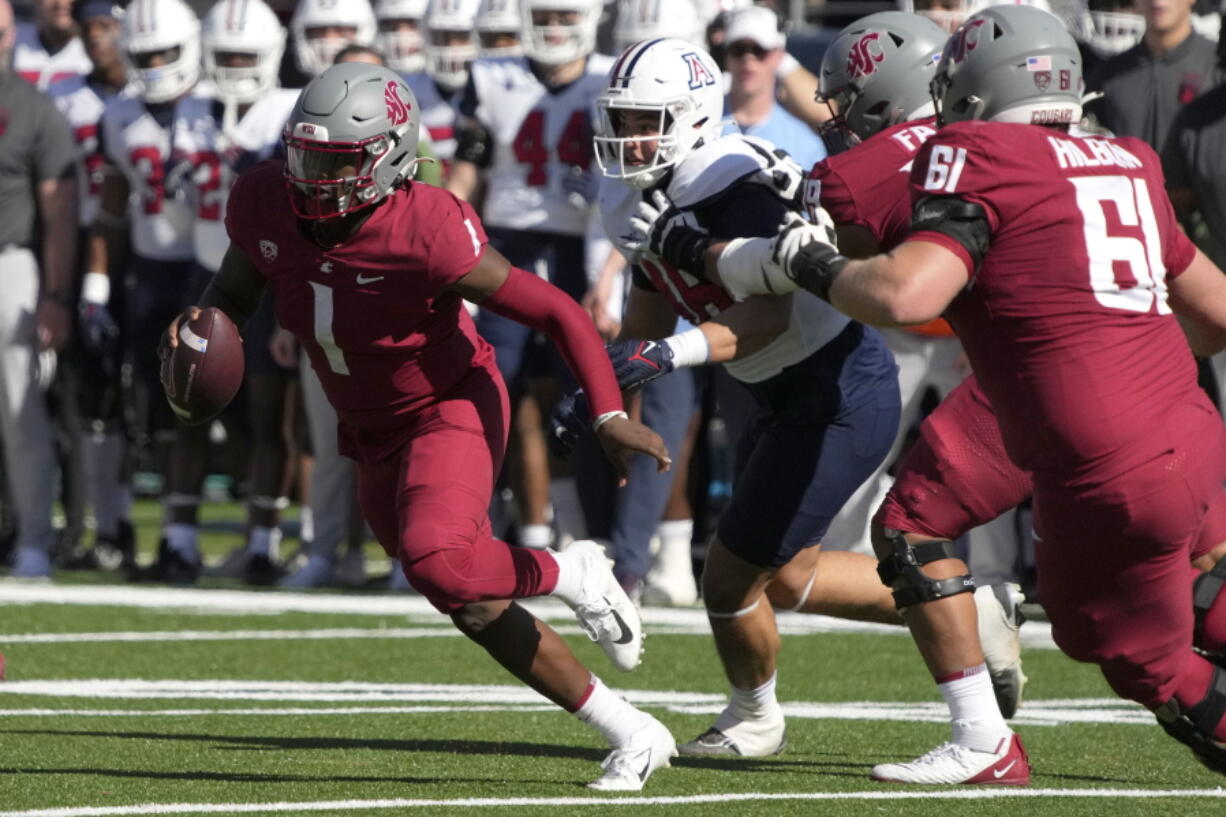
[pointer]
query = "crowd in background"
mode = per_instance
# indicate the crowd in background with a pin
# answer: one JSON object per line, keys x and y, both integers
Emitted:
{"x": 123, "y": 125}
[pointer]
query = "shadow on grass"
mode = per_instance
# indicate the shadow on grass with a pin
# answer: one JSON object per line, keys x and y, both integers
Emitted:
{"x": 236, "y": 777}
{"x": 265, "y": 742}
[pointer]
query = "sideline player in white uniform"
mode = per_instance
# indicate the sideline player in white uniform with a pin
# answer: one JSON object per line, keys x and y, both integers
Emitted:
{"x": 321, "y": 28}
{"x": 82, "y": 100}
{"x": 242, "y": 42}
{"x": 498, "y": 29}
{"x": 525, "y": 142}
{"x": 449, "y": 49}
{"x": 148, "y": 210}
{"x": 401, "y": 39}
{"x": 49, "y": 50}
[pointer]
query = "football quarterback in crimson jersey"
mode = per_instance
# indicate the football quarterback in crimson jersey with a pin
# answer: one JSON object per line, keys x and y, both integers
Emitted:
{"x": 370, "y": 273}
{"x": 1058, "y": 260}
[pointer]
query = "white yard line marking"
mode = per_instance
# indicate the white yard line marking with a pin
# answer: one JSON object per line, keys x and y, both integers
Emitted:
{"x": 504, "y": 802}
{"x": 359, "y": 695}
{"x": 221, "y": 602}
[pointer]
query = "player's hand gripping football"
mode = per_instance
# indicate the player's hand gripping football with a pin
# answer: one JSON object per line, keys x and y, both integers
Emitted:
{"x": 667, "y": 233}
{"x": 170, "y": 339}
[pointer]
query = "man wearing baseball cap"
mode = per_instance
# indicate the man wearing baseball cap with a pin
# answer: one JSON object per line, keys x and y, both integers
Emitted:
{"x": 755, "y": 43}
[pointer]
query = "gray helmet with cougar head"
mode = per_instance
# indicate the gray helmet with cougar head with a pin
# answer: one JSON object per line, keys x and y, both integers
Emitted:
{"x": 351, "y": 139}
{"x": 1010, "y": 64}
{"x": 877, "y": 70}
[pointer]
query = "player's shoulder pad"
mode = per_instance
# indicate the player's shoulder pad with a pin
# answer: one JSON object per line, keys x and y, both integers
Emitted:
{"x": 715, "y": 167}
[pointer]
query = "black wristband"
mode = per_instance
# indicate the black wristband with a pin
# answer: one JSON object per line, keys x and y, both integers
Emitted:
{"x": 690, "y": 251}
{"x": 816, "y": 266}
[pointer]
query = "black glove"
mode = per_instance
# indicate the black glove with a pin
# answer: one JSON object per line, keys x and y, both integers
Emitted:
{"x": 569, "y": 422}
{"x": 669, "y": 234}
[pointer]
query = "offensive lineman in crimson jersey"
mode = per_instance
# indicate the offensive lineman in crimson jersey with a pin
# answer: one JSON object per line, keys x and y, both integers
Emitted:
{"x": 1053, "y": 256}
{"x": 369, "y": 273}
{"x": 865, "y": 192}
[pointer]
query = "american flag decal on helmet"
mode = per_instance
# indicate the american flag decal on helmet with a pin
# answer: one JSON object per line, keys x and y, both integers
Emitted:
{"x": 623, "y": 70}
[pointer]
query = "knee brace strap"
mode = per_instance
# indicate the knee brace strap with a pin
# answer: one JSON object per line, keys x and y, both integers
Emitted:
{"x": 1205, "y": 591}
{"x": 1195, "y": 725}
{"x": 744, "y": 611}
{"x": 901, "y": 571}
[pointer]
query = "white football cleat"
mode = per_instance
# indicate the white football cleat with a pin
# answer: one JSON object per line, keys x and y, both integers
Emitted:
{"x": 1000, "y": 616}
{"x": 732, "y": 736}
{"x": 952, "y": 763}
{"x": 605, "y": 612}
{"x": 628, "y": 767}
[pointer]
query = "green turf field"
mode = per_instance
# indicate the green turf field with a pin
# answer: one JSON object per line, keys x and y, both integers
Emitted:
{"x": 126, "y": 700}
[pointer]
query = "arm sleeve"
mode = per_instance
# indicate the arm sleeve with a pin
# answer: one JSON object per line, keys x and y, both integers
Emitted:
{"x": 55, "y": 152}
{"x": 639, "y": 278}
{"x": 525, "y": 298}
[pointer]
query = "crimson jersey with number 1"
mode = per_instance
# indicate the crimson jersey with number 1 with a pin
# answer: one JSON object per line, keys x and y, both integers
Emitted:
{"x": 1066, "y": 321}
{"x": 372, "y": 314}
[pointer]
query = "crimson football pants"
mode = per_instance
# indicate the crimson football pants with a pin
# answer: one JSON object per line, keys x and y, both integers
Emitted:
{"x": 957, "y": 475}
{"x": 425, "y": 489}
{"x": 1114, "y": 562}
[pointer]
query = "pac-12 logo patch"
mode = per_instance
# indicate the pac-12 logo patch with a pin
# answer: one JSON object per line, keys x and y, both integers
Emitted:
{"x": 397, "y": 108}
{"x": 268, "y": 249}
{"x": 700, "y": 75}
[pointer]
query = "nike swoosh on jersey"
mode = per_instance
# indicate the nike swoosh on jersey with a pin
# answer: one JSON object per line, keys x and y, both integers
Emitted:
{"x": 362, "y": 279}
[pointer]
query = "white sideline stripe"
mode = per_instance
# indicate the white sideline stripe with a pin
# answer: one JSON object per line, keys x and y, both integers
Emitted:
{"x": 503, "y": 802}
{"x": 199, "y": 713}
{"x": 1034, "y": 634}
{"x": 1051, "y": 712}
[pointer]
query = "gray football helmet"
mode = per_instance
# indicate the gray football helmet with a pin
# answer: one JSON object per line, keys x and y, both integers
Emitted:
{"x": 876, "y": 72}
{"x": 350, "y": 141}
{"x": 1010, "y": 64}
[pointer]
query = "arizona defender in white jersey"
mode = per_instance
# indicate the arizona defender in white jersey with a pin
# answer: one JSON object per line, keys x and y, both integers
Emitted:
{"x": 147, "y": 208}
{"x": 825, "y": 388}
{"x": 49, "y": 50}
{"x": 525, "y": 139}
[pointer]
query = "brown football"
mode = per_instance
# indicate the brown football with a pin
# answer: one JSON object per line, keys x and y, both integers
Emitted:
{"x": 203, "y": 373}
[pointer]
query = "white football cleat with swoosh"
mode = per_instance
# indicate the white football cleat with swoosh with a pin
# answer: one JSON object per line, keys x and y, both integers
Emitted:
{"x": 952, "y": 763}
{"x": 605, "y": 612}
{"x": 628, "y": 767}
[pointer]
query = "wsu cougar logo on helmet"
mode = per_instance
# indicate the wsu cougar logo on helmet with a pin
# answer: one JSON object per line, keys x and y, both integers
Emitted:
{"x": 964, "y": 41}
{"x": 864, "y": 55}
{"x": 397, "y": 108}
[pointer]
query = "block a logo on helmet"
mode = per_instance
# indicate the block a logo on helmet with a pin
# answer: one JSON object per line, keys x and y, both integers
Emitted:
{"x": 700, "y": 75}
